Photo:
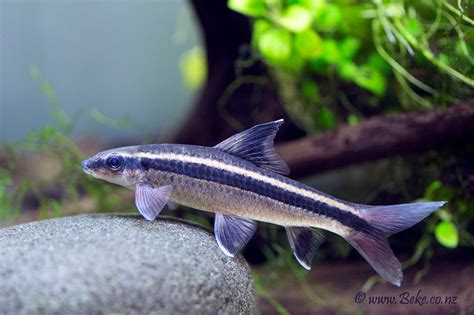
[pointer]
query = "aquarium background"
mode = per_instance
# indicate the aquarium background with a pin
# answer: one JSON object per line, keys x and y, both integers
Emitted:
{"x": 78, "y": 77}
{"x": 118, "y": 59}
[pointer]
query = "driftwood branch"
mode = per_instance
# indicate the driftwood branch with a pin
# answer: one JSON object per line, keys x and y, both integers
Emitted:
{"x": 380, "y": 137}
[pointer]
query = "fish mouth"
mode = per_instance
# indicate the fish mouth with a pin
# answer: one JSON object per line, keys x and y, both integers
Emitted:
{"x": 86, "y": 168}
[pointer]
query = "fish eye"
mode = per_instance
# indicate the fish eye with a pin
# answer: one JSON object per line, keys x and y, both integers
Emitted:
{"x": 114, "y": 162}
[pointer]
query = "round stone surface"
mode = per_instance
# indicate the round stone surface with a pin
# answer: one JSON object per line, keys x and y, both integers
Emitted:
{"x": 120, "y": 264}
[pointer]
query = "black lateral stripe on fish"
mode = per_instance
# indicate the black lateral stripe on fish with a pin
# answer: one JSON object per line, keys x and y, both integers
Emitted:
{"x": 241, "y": 180}
{"x": 249, "y": 183}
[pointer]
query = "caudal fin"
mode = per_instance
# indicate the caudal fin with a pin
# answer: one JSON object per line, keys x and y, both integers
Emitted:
{"x": 396, "y": 218}
{"x": 385, "y": 221}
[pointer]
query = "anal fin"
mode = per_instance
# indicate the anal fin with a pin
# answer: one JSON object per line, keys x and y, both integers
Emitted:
{"x": 304, "y": 242}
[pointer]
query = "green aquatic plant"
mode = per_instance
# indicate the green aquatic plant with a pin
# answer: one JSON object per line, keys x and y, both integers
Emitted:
{"x": 58, "y": 191}
{"x": 323, "y": 53}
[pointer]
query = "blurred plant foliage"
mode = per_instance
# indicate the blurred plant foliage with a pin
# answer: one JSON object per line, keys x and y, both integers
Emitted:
{"x": 61, "y": 189}
{"x": 335, "y": 61}
{"x": 193, "y": 67}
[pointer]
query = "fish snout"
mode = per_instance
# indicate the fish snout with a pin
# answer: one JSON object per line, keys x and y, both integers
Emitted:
{"x": 86, "y": 166}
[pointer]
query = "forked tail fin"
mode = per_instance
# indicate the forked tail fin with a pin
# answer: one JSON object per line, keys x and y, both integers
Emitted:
{"x": 387, "y": 220}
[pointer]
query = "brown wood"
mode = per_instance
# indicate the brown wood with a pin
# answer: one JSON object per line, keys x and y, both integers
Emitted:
{"x": 380, "y": 137}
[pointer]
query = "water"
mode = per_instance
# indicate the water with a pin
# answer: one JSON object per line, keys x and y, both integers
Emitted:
{"x": 119, "y": 57}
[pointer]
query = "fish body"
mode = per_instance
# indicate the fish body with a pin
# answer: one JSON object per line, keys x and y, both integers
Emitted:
{"x": 212, "y": 180}
{"x": 242, "y": 181}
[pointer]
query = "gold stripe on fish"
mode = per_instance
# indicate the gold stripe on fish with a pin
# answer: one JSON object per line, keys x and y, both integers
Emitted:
{"x": 245, "y": 172}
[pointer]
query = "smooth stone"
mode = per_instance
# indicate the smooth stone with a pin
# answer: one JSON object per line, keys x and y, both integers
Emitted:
{"x": 110, "y": 263}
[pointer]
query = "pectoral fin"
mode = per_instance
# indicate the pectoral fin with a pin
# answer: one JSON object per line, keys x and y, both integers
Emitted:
{"x": 304, "y": 242}
{"x": 150, "y": 201}
{"x": 232, "y": 233}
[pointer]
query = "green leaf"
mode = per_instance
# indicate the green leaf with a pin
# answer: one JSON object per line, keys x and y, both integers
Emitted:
{"x": 319, "y": 65}
{"x": 325, "y": 119}
{"x": 371, "y": 79}
{"x": 437, "y": 191}
{"x": 349, "y": 47}
{"x": 376, "y": 61}
{"x": 294, "y": 63}
{"x": 330, "y": 18}
{"x": 414, "y": 27}
{"x": 447, "y": 234}
{"x": 310, "y": 91}
{"x": 308, "y": 44}
{"x": 295, "y": 18}
{"x": 461, "y": 205}
{"x": 260, "y": 26}
{"x": 443, "y": 58}
{"x": 248, "y": 7}
{"x": 315, "y": 6}
{"x": 47, "y": 133}
{"x": 352, "y": 120}
{"x": 347, "y": 69}
{"x": 56, "y": 208}
{"x": 47, "y": 89}
{"x": 193, "y": 66}
{"x": 430, "y": 191}
{"x": 275, "y": 45}
{"x": 331, "y": 51}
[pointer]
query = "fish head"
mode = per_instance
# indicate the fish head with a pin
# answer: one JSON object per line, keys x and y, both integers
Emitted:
{"x": 118, "y": 166}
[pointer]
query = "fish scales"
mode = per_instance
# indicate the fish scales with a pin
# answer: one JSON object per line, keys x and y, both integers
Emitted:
{"x": 269, "y": 203}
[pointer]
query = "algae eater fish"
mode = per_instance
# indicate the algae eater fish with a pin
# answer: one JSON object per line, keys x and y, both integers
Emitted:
{"x": 242, "y": 181}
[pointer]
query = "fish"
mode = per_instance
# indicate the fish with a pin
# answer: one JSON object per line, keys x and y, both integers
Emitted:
{"x": 243, "y": 180}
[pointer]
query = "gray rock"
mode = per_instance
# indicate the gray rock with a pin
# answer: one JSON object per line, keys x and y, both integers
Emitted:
{"x": 119, "y": 264}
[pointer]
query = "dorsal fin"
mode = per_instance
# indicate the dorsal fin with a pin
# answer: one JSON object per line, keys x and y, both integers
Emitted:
{"x": 256, "y": 146}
